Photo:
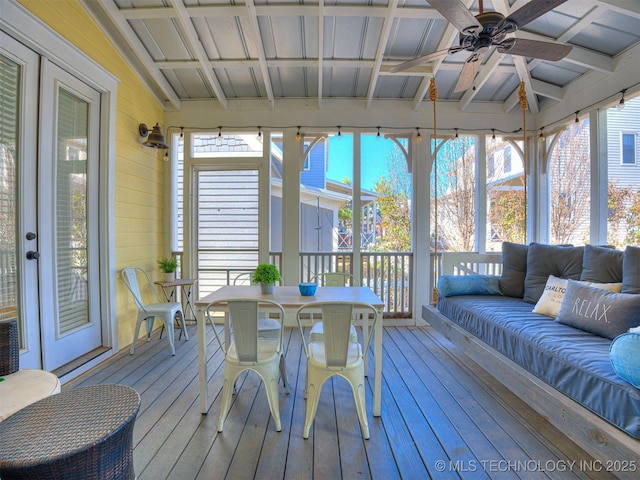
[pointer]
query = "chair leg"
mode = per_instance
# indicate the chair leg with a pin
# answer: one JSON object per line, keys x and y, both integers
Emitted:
{"x": 271, "y": 388}
{"x": 283, "y": 374}
{"x": 228, "y": 388}
{"x": 313, "y": 396}
{"x": 135, "y": 336}
{"x": 361, "y": 408}
{"x": 183, "y": 325}
{"x": 168, "y": 323}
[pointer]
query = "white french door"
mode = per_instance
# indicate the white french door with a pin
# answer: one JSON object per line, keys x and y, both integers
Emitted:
{"x": 68, "y": 210}
{"x": 49, "y": 256}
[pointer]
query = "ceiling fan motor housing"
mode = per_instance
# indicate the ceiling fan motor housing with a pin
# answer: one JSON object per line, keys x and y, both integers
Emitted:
{"x": 494, "y": 29}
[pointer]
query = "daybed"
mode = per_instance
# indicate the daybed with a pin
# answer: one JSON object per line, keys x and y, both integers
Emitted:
{"x": 560, "y": 361}
{"x": 19, "y": 388}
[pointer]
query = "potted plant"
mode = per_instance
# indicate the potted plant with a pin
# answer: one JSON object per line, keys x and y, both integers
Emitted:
{"x": 266, "y": 275}
{"x": 168, "y": 265}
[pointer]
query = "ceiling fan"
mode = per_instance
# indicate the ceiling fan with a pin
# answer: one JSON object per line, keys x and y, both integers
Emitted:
{"x": 488, "y": 30}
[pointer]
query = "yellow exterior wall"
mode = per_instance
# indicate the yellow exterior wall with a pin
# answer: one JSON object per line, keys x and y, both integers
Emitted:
{"x": 138, "y": 169}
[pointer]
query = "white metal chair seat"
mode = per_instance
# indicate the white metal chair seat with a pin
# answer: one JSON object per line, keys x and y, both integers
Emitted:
{"x": 335, "y": 354}
{"x": 248, "y": 350}
{"x": 167, "y": 312}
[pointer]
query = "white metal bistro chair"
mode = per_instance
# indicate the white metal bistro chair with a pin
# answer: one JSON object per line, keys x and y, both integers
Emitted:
{"x": 267, "y": 327}
{"x": 247, "y": 350}
{"x": 335, "y": 354}
{"x": 333, "y": 279}
{"x": 148, "y": 312}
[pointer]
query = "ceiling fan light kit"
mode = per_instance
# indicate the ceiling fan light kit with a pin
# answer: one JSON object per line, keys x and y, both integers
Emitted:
{"x": 479, "y": 33}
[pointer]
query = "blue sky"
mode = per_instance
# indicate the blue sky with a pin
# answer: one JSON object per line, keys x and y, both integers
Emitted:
{"x": 374, "y": 153}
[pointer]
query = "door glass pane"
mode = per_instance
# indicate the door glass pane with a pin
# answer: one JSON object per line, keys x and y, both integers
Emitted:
{"x": 9, "y": 95}
{"x": 71, "y": 211}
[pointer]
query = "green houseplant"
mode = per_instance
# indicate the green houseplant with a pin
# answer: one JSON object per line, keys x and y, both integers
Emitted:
{"x": 266, "y": 275}
{"x": 168, "y": 265}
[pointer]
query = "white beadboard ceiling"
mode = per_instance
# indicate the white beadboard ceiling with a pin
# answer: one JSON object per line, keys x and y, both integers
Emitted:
{"x": 316, "y": 49}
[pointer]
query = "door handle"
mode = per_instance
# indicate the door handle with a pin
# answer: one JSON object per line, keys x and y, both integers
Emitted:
{"x": 32, "y": 255}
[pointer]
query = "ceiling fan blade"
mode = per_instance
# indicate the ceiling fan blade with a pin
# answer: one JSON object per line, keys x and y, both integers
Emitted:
{"x": 457, "y": 14}
{"x": 532, "y": 10}
{"x": 535, "y": 49}
{"x": 468, "y": 74}
{"x": 419, "y": 61}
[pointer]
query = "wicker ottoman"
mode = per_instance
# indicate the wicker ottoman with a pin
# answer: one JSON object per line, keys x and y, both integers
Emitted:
{"x": 82, "y": 433}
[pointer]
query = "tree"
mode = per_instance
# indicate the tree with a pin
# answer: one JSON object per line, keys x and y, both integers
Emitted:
{"x": 570, "y": 197}
{"x": 455, "y": 168}
{"x": 508, "y": 216}
{"x": 394, "y": 205}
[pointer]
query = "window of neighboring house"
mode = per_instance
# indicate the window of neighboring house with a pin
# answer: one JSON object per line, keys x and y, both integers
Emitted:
{"x": 307, "y": 159}
{"x": 491, "y": 165}
{"x": 628, "y": 149}
{"x": 507, "y": 160}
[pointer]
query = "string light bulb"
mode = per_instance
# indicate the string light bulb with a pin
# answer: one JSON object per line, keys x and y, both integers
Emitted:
{"x": 493, "y": 134}
{"x": 541, "y": 137}
{"x": 339, "y": 132}
{"x": 620, "y": 105}
{"x": 181, "y": 132}
{"x": 577, "y": 120}
{"x": 166, "y": 156}
{"x": 378, "y": 134}
{"x": 418, "y": 136}
{"x": 259, "y": 132}
{"x": 298, "y": 135}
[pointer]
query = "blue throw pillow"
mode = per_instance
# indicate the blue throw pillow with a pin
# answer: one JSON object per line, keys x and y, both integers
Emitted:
{"x": 451, "y": 285}
{"x": 625, "y": 357}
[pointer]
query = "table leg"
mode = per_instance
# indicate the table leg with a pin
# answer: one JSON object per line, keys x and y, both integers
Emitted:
{"x": 202, "y": 362}
{"x": 377, "y": 379}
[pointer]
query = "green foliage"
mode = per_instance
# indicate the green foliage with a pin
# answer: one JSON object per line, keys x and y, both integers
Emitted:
{"x": 508, "y": 216}
{"x": 266, "y": 273}
{"x": 168, "y": 264}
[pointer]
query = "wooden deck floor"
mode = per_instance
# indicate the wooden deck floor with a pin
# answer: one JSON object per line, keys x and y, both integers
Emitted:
{"x": 442, "y": 417}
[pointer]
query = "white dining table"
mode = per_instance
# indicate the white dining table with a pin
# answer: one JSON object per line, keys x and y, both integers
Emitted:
{"x": 291, "y": 300}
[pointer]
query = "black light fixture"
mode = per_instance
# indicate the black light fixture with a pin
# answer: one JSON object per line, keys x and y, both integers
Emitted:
{"x": 418, "y": 136}
{"x": 620, "y": 105}
{"x": 155, "y": 138}
{"x": 456, "y": 132}
{"x": 577, "y": 119}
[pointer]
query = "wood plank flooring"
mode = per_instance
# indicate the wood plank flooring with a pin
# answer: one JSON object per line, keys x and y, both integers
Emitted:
{"x": 442, "y": 417}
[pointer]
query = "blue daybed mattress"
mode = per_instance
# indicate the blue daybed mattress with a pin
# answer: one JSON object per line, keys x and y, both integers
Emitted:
{"x": 571, "y": 360}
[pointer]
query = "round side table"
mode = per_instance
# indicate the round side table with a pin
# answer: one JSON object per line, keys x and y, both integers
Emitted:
{"x": 81, "y": 433}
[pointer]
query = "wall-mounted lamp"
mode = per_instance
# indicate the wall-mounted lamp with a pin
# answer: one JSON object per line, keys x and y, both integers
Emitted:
{"x": 155, "y": 138}
{"x": 620, "y": 105}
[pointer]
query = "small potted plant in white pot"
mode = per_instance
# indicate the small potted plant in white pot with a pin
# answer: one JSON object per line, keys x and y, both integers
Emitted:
{"x": 168, "y": 265}
{"x": 266, "y": 275}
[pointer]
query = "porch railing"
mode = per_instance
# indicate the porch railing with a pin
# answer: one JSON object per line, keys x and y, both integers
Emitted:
{"x": 467, "y": 263}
